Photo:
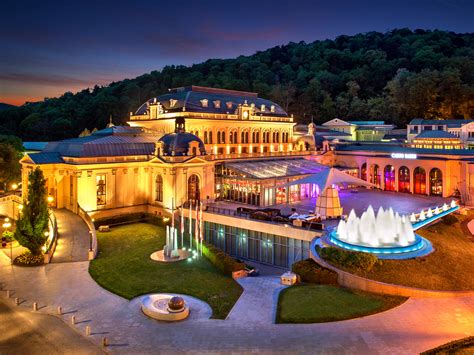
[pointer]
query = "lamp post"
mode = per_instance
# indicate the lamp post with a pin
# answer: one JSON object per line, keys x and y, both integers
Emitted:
{"x": 6, "y": 225}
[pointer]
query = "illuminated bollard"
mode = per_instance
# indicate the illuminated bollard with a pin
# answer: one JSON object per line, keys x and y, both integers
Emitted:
{"x": 35, "y": 306}
{"x": 60, "y": 311}
{"x": 105, "y": 342}
{"x": 73, "y": 320}
{"x": 17, "y": 301}
{"x": 88, "y": 330}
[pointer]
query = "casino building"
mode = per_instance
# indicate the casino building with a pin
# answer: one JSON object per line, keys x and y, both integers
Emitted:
{"x": 205, "y": 144}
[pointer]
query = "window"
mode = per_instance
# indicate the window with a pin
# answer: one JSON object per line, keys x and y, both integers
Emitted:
{"x": 229, "y": 105}
{"x": 101, "y": 184}
{"x": 470, "y": 135}
{"x": 204, "y": 102}
{"x": 404, "y": 179}
{"x": 159, "y": 188}
{"x": 217, "y": 104}
{"x": 272, "y": 108}
{"x": 71, "y": 190}
{"x": 173, "y": 102}
{"x": 193, "y": 188}
{"x": 262, "y": 108}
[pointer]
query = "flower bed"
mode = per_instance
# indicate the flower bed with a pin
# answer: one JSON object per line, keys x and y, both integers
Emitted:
{"x": 28, "y": 259}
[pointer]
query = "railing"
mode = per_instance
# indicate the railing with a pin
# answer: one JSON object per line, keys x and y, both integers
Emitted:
{"x": 52, "y": 240}
{"x": 93, "y": 246}
{"x": 316, "y": 226}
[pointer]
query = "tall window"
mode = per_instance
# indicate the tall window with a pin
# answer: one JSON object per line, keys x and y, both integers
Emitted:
{"x": 436, "y": 182}
{"x": 389, "y": 178}
{"x": 193, "y": 188}
{"x": 375, "y": 176}
{"x": 403, "y": 179}
{"x": 419, "y": 179}
{"x": 101, "y": 184}
{"x": 159, "y": 188}
{"x": 363, "y": 172}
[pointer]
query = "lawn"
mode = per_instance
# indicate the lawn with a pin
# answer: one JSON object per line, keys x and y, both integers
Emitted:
{"x": 124, "y": 267}
{"x": 310, "y": 303}
{"x": 449, "y": 267}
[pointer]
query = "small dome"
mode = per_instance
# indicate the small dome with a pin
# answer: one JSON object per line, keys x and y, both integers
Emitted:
{"x": 179, "y": 144}
{"x": 176, "y": 303}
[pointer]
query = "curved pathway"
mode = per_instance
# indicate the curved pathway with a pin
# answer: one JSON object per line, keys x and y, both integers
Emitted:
{"x": 417, "y": 325}
{"x": 73, "y": 240}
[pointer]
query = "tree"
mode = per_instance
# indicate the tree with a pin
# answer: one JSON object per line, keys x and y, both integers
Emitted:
{"x": 31, "y": 226}
{"x": 10, "y": 155}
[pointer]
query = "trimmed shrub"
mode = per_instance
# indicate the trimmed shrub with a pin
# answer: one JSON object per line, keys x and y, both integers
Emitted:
{"x": 9, "y": 236}
{"x": 28, "y": 259}
{"x": 449, "y": 220}
{"x": 221, "y": 260}
{"x": 347, "y": 258}
{"x": 453, "y": 347}
{"x": 309, "y": 271}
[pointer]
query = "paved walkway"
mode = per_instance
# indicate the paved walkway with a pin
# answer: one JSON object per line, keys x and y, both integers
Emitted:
{"x": 417, "y": 325}
{"x": 22, "y": 332}
{"x": 74, "y": 239}
{"x": 257, "y": 304}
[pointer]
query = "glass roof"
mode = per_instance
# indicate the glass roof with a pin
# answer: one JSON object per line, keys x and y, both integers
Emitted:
{"x": 265, "y": 169}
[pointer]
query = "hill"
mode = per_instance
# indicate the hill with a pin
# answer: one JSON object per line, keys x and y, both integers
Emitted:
{"x": 4, "y": 106}
{"x": 393, "y": 76}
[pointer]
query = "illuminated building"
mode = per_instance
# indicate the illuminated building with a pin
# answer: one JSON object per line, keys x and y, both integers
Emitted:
{"x": 462, "y": 129}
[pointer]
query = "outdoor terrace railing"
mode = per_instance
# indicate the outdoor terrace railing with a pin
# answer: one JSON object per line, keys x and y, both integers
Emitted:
{"x": 93, "y": 246}
{"x": 316, "y": 226}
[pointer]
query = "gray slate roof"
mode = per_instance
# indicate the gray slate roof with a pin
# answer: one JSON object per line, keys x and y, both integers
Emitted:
{"x": 435, "y": 134}
{"x": 190, "y": 98}
{"x": 112, "y": 141}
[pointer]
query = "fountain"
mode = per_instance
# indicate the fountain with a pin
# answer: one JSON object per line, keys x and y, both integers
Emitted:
{"x": 165, "y": 307}
{"x": 387, "y": 232}
{"x": 170, "y": 251}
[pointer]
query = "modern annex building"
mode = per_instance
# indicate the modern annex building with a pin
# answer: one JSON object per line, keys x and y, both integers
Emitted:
{"x": 204, "y": 144}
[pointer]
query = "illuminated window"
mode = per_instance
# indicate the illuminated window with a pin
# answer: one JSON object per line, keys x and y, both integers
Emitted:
{"x": 159, "y": 188}
{"x": 272, "y": 108}
{"x": 217, "y": 103}
{"x": 204, "y": 102}
{"x": 229, "y": 105}
{"x": 173, "y": 102}
{"x": 262, "y": 108}
{"x": 101, "y": 184}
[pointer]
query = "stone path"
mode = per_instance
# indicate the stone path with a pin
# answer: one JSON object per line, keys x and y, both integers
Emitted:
{"x": 74, "y": 239}
{"x": 22, "y": 332}
{"x": 257, "y": 304}
{"x": 417, "y": 325}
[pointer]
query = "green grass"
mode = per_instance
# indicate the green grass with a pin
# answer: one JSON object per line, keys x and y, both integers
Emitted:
{"x": 124, "y": 267}
{"x": 448, "y": 268}
{"x": 309, "y": 303}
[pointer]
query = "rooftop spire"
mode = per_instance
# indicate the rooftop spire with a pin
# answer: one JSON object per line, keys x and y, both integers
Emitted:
{"x": 111, "y": 124}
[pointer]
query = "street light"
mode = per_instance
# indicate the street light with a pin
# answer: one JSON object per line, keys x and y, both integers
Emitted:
{"x": 14, "y": 186}
{"x": 7, "y": 224}
{"x": 50, "y": 199}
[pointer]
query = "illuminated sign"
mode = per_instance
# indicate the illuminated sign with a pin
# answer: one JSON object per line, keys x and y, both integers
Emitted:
{"x": 403, "y": 156}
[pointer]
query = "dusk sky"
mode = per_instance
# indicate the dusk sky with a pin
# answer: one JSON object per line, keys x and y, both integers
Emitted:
{"x": 49, "y": 47}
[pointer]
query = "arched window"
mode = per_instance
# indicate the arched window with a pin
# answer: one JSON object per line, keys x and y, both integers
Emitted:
{"x": 218, "y": 137}
{"x": 242, "y": 137}
{"x": 375, "y": 175}
{"x": 389, "y": 178}
{"x": 363, "y": 172}
{"x": 436, "y": 182}
{"x": 419, "y": 180}
{"x": 159, "y": 188}
{"x": 193, "y": 188}
{"x": 205, "y": 138}
{"x": 403, "y": 179}
{"x": 210, "y": 137}
{"x": 223, "y": 137}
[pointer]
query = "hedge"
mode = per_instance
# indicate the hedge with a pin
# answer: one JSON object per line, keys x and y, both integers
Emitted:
{"x": 347, "y": 258}
{"x": 453, "y": 347}
{"x": 130, "y": 218}
{"x": 221, "y": 260}
{"x": 309, "y": 271}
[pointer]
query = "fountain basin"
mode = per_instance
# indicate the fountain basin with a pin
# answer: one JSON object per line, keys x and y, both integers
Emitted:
{"x": 420, "y": 247}
{"x": 156, "y": 306}
{"x": 160, "y": 256}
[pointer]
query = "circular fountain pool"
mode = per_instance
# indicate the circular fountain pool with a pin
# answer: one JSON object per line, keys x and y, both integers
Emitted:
{"x": 385, "y": 234}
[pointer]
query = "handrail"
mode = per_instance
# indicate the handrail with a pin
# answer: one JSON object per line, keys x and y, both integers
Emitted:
{"x": 93, "y": 246}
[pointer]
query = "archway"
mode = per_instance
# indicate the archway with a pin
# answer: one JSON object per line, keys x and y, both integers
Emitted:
{"x": 436, "y": 182}
{"x": 419, "y": 181}
{"x": 193, "y": 188}
{"x": 403, "y": 179}
{"x": 375, "y": 175}
{"x": 363, "y": 172}
{"x": 389, "y": 178}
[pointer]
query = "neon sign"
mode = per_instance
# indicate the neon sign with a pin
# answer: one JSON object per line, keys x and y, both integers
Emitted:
{"x": 403, "y": 156}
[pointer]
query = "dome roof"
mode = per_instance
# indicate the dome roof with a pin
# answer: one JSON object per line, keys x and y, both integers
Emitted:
{"x": 178, "y": 144}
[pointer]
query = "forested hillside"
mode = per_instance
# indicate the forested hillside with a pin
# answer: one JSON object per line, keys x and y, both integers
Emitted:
{"x": 393, "y": 76}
